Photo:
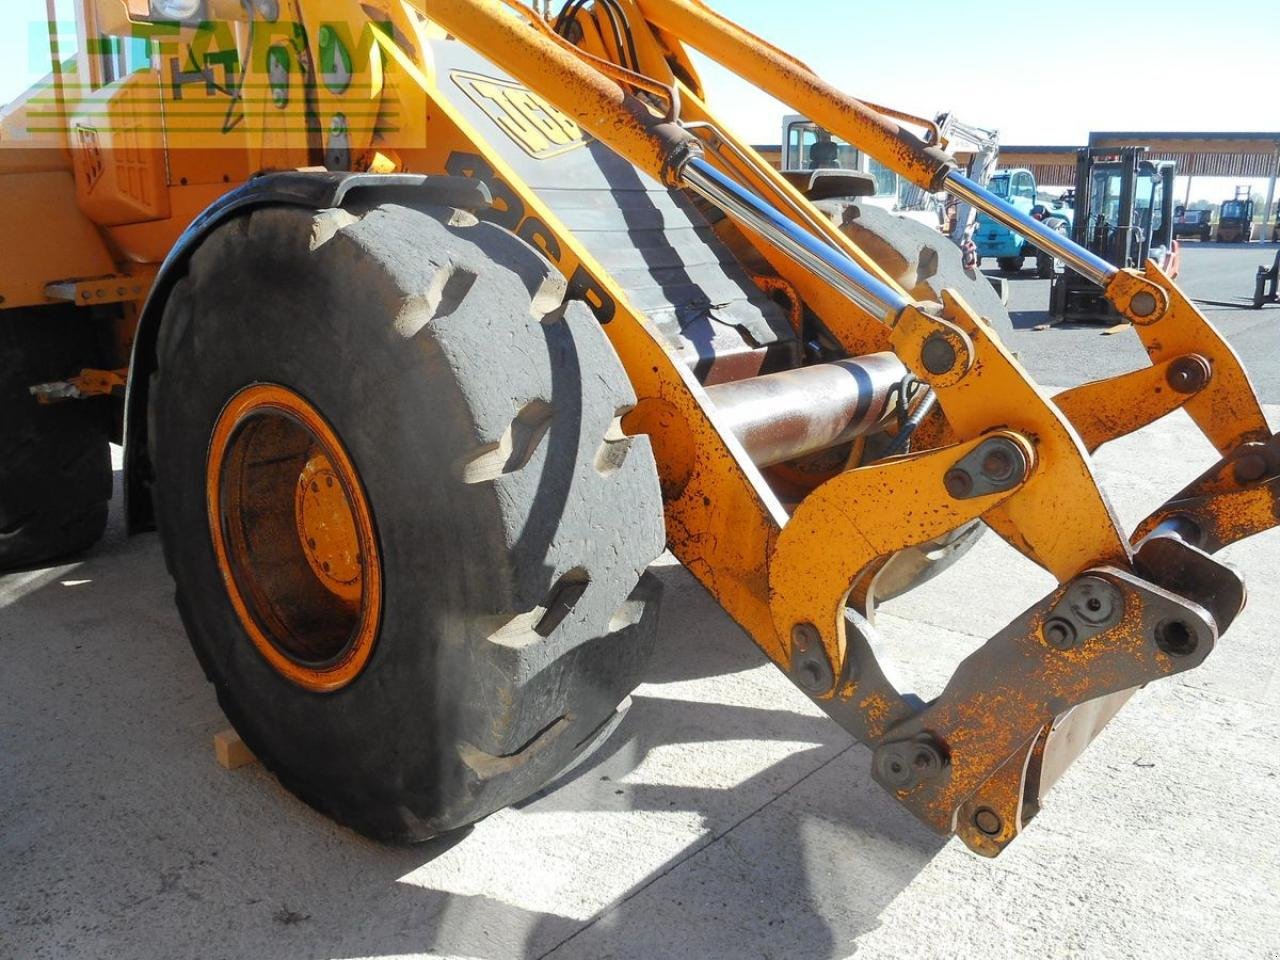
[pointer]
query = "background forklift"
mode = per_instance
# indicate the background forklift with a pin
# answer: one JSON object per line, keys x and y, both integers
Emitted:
{"x": 1235, "y": 218}
{"x": 1124, "y": 214}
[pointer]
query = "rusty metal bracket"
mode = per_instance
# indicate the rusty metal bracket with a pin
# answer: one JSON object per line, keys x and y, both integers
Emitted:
{"x": 870, "y": 512}
{"x": 1236, "y": 498}
{"x": 84, "y": 386}
{"x": 1060, "y": 518}
{"x": 117, "y": 288}
{"x": 1003, "y": 696}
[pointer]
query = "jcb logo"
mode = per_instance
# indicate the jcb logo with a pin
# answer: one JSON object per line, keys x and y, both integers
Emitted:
{"x": 536, "y": 126}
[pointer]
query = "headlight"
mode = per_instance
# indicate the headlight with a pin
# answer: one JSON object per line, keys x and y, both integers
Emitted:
{"x": 180, "y": 10}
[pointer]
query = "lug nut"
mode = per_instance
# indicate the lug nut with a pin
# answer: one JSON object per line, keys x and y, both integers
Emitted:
{"x": 937, "y": 354}
{"x": 958, "y": 482}
{"x": 1059, "y": 633}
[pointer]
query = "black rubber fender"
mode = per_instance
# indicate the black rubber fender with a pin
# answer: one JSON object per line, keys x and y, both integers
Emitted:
{"x": 310, "y": 191}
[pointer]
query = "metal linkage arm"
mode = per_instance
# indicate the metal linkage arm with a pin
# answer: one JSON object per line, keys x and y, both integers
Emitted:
{"x": 1087, "y": 264}
{"x": 1236, "y": 498}
{"x": 859, "y": 285}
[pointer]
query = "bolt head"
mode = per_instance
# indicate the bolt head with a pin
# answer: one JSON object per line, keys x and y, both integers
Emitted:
{"x": 809, "y": 676}
{"x": 987, "y": 821}
{"x": 1143, "y": 304}
{"x": 1094, "y": 600}
{"x": 894, "y": 768}
{"x": 1188, "y": 374}
{"x": 1059, "y": 633}
{"x": 1251, "y": 468}
{"x": 937, "y": 354}
{"x": 997, "y": 465}
{"x": 809, "y": 665}
{"x": 958, "y": 483}
{"x": 805, "y": 636}
{"x": 906, "y": 763}
{"x": 1003, "y": 462}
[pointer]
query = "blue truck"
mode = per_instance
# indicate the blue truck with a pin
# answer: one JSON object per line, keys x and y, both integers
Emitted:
{"x": 1011, "y": 250}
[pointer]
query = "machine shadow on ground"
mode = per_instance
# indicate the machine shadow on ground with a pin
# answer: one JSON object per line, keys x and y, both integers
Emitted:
{"x": 120, "y": 835}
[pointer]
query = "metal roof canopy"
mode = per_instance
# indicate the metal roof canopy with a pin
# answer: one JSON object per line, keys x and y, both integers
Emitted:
{"x": 1196, "y": 154}
{"x": 1204, "y": 154}
{"x": 1235, "y": 155}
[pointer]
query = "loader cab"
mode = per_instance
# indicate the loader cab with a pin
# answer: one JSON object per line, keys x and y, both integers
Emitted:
{"x": 1017, "y": 187}
{"x": 807, "y": 148}
{"x": 231, "y": 88}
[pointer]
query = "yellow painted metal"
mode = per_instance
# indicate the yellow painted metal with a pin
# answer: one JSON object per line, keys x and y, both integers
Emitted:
{"x": 271, "y": 531}
{"x": 1227, "y": 410}
{"x": 790, "y": 81}
{"x": 1104, "y": 410}
{"x": 1059, "y": 518}
{"x": 383, "y": 109}
{"x": 84, "y": 385}
{"x": 721, "y": 516}
{"x": 327, "y": 529}
{"x": 596, "y": 102}
{"x": 65, "y": 245}
{"x": 857, "y": 517}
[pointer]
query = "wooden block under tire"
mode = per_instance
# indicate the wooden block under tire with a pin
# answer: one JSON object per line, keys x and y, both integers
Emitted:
{"x": 231, "y": 750}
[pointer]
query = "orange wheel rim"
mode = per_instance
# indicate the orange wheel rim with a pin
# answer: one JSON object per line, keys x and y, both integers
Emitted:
{"x": 294, "y": 537}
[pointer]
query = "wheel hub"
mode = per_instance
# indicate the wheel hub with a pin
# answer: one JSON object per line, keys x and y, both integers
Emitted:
{"x": 327, "y": 529}
{"x": 293, "y": 535}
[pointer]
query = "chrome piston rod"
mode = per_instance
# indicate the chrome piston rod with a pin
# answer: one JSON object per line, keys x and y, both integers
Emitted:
{"x": 1079, "y": 259}
{"x": 746, "y": 208}
{"x": 793, "y": 413}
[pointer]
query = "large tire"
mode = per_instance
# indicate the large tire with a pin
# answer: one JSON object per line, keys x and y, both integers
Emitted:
{"x": 514, "y": 522}
{"x": 1011, "y": 264}
{"x": 55, "y": 460}
{"x": 921, "y": 259}
{"x": 924, "y": 262}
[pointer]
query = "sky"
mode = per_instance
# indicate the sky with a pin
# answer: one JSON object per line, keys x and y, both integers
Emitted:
{"x": 1039, "y": 78}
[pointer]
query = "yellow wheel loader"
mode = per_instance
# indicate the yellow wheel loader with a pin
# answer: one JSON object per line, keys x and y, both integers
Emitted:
{"x": 428, "y": 324}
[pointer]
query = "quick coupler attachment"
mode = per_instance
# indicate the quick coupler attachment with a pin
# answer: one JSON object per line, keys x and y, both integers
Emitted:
{"x": 976, "y": 760}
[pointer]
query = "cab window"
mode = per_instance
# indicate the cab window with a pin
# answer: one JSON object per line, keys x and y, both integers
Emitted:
{"x": 1157, "y": 207}
{"x": 886, "y": 179}
{"x": 1021, "y": 185}
{"x": 809, "y": 147}
{"x": 118, "y": 57}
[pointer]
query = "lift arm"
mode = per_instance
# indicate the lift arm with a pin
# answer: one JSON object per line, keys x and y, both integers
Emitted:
{"x": 973, "y": 760}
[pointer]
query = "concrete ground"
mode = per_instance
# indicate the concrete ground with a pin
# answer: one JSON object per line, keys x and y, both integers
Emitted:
{"x": 1214, "y": 274}
{"x": 726, "y": 818}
